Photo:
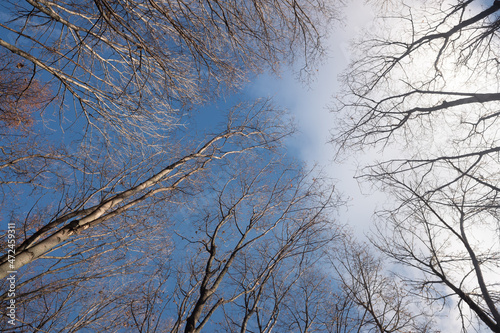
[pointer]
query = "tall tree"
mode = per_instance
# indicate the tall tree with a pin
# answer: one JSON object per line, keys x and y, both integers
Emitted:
{"x": 254, "y": 242}
{"x": 425, "y": 84}
{"x": 92, "y": 188}
{"x": 116, "y": 192}
{"x": 129, "y": 65}
{"x": 382, "y": 300}
{"x": 220, "y": 238}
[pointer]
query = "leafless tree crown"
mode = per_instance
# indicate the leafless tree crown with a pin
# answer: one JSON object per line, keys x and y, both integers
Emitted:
{"x": 425, "y": 87}
{"x": 128, "y": 66}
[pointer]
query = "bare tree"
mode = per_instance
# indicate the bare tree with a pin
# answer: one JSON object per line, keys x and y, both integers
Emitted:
{"x": 99, "y": 282}
{"x": 426, "y": 83}
{"x": 253, "y": 248}
{"x": 92, "y": 187}
{"x": 431, "y": 69}
{"x": 92, "y": 184}
{"x": 128, "y": 66}
{"x": 384, "y": 303}
{"x": 97, "y": 207}
{"x": 106, "y": 213}
{"x": 315, "y": 304}
{"x": 450, "y": 235}
{"x": 235, "y": 243}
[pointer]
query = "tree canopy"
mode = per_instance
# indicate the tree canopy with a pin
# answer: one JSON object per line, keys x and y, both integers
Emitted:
{"x": 121, "y": 215}
{"x": 425, "y": 87}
